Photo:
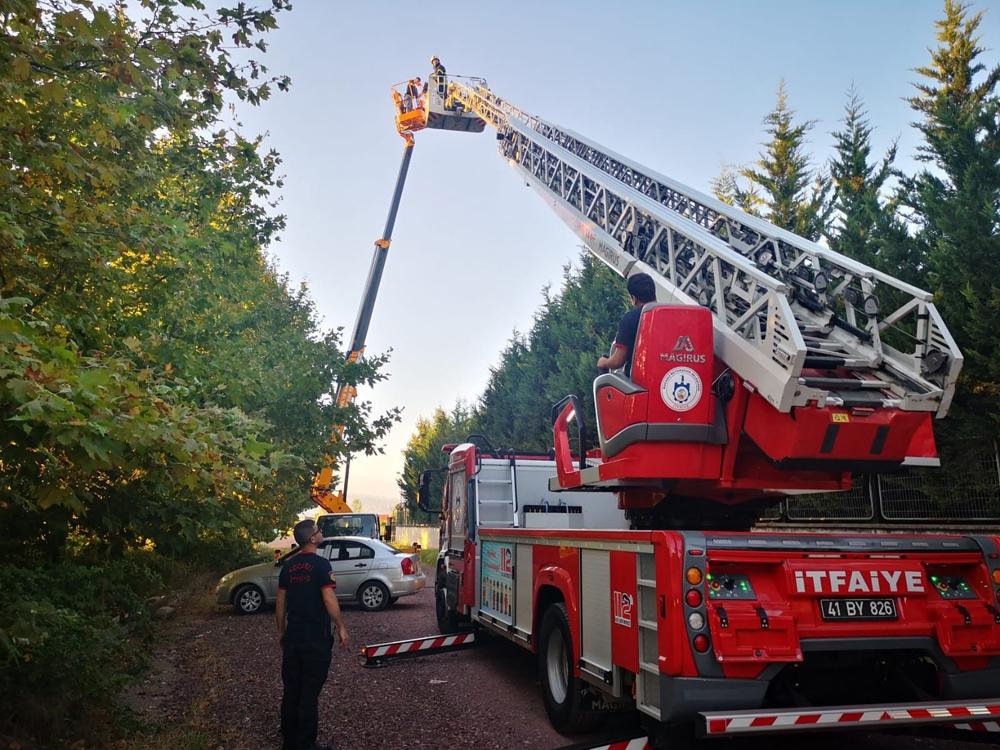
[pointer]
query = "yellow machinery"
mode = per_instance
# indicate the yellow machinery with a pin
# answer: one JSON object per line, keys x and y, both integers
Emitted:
{"x": 428, "y": 108}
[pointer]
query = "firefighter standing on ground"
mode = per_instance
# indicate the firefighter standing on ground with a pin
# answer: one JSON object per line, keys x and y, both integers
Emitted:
{"x": 305, "y": 606}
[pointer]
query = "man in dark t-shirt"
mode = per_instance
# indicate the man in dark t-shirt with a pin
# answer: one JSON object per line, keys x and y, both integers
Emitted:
{"x": 641, "y": 290}
{"x": 305, "y": 606}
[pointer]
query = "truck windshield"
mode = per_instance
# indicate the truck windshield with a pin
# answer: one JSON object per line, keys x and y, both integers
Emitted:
{"x": 349, "y": 524}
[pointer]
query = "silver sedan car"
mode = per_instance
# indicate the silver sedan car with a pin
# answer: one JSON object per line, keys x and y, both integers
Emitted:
{"x": 367, "y": 570}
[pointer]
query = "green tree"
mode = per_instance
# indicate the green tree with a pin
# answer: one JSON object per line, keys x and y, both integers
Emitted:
{"x": 423, "y": 452}
{"x": 729, "y": 188}
{"x": 956, "y": 201}
{"x": 864, "y": 219}
{"x": 160, "y": 381}
{"x": 555, "y": 358}
{"x": 782, "y": 185}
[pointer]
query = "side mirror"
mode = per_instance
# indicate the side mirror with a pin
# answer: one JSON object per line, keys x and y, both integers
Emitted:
{"x": 424, "y": 490}
{"x": 724, "y": 387}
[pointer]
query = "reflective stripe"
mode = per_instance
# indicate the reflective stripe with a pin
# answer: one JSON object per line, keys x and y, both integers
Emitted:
{"x": 430, "y": 644}
{"x": 763, "y": 721}
{"x": 639, "y": 743}
{"x": 980, "y": 726}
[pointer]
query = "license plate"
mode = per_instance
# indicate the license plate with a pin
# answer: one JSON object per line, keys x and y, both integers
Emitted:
{"x": 858, "y": 609}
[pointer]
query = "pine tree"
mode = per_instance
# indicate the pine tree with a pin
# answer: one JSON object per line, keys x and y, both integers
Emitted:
{"x": 793, "y": 197}
{"x": 728, "y": 188}
{"x": 957, "y": 199}
{"x": 857, "y": 183}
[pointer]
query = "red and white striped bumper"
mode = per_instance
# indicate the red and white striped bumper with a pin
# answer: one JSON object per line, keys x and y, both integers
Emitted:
{"x": 875, "y": 717}
{"x": 639, "y": 743}
{"x": 979, "y": 726}
{"x": 635, "y": 743}
{"x": 644, "y": 743}
{"x": 378, "y": 653}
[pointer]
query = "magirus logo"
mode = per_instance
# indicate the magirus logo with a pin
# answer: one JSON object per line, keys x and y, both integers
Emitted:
{"x": 683, "y": 344}
{"x": 683, "y": 352}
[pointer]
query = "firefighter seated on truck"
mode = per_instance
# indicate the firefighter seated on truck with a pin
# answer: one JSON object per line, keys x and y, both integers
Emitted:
{"x": 641, "y": 290}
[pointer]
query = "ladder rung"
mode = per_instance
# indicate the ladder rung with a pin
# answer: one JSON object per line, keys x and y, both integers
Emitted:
{"x": 494, "y": 481}
{"x": 860, "y": 398}
{"x": 847, "y": 384}
{"x": 823, "y": 362}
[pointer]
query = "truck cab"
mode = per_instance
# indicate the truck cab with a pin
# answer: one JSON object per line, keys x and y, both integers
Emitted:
{"x": 501, "y": 491}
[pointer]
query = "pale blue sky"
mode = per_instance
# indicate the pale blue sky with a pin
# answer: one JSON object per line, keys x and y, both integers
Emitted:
{"x": 679, "y": 86}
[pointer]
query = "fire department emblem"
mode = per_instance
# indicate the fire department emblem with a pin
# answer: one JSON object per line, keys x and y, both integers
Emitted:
{"x": 681, "y": 389}
{"x": 623, "y": 608}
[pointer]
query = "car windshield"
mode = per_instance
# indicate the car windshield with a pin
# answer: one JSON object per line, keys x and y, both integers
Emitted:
{"x": 349, "y": 524}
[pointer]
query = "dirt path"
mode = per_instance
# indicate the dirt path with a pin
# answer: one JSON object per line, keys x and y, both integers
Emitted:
{"x": 216, "y": 685}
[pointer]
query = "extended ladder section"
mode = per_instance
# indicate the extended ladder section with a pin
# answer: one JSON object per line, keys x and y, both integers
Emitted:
{"x": 801, "y": 323}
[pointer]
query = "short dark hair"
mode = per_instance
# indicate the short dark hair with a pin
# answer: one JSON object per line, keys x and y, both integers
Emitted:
{"x": 304, "y": 530}
{"x": 641, "y": 287}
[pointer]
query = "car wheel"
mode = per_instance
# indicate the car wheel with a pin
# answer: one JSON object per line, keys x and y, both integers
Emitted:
{"x": 566, "y": 703}
{"x": 373, "y": 596}
{"x": 248, "y": 599}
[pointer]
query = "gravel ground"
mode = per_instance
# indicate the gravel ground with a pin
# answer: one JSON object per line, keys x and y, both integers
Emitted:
{"x": 217, "y": 675}
{"x": 220, "y": 672}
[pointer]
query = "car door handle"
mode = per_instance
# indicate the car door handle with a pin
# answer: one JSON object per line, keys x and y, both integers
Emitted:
{"x": 359, "y": 565}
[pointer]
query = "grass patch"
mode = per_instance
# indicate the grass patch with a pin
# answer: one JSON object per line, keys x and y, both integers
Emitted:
{"x": 72, "y": 634}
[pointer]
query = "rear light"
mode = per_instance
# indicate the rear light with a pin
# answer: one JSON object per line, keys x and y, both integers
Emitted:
{"x": 696, "y": 621}
{"x": 996, "y": 576}
{"x": 701, "y": 643}
{"x": 693, "y": 598}
{"x": 407, "y": 565}
{"x": 694, "y": 576}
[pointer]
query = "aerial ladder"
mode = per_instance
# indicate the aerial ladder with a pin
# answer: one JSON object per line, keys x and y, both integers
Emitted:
{"x": 822, "y": 364}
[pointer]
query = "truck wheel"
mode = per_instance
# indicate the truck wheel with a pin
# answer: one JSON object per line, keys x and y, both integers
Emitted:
{"x": 447, "y": 621}
{"x": 566, "y": 703}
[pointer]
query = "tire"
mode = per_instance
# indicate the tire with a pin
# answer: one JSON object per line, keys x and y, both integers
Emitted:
{"x": 248, "y": 599}
{"x": 373, "y": 596}
{"x": 447, "y": 620}
{"x": 566, "y": 703}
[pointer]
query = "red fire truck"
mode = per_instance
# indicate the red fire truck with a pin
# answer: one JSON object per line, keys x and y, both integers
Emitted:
{"x": 766, "y": 367}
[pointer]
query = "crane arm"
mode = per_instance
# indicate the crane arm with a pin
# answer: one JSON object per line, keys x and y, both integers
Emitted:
{"x": 323, "y": 491}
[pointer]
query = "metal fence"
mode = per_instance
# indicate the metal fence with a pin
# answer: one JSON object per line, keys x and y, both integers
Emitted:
{"x": 964, "y": 493}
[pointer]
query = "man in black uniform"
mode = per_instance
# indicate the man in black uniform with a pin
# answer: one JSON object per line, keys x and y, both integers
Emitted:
{"x": 438, "y": 75}
{"x": 642, "y": 290}
{"x": 307, "y": 595}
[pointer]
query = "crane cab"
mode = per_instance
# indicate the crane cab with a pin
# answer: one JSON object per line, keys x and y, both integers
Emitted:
{"x": 433, "y": 108}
